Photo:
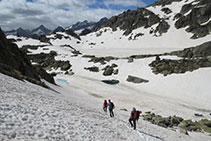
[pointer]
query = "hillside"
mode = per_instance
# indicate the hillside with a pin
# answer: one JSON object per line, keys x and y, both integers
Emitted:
{"x": 155, "y": 59}
{"x": 15, "y": 63}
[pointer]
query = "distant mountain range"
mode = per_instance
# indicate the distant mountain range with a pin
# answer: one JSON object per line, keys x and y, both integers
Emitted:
{"x": 81, "y": 28}
{"x": 85, "y": 27}
{"x": 35, "y": 33}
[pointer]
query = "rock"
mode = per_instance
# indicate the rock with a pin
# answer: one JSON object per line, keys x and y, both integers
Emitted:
{"x": 183, "y": 131}
{"x": 15, "y": 63}
{"x": 53, "y": 74}
{"x": 108, "y": 71}
{"x": 44, "y": 39}
{"x": 166, "y": 10}
{"x": 162, "y": 27}
{"x": 85, "y": 32}
{"x": 124, "y": 109}
{"x": 195, "y": 19}
{"x": 111, "y": 82}
{"x": 71, "y": 73}
{"x": 71, "y": 33}
{"x": 65, "y": 65}
{"x": 114, "y": 65}
{"x": 136, "y": 79}
{"x": 175, "y": 121}
{"x": 130, "y": 60}
{"x": 130, "y": 20}
{"x": 198, "y": 115}
{"x": 186, "y": 8}
{"x": 93, "y": 69}
{"x": 116, "y": 71}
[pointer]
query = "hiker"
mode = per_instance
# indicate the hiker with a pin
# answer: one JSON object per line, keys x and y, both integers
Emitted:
{"x": 133, "y": 117}
{"x": 111, "y": 107}
{"x": 105, "y": 105}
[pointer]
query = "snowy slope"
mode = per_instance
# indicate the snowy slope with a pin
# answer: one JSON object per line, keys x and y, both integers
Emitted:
{"x": 30, "y": 112}
{"x": 82, "y": 93}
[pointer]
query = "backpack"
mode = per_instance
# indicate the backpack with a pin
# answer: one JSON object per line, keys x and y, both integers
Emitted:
{"x": 138, "y": 114}
{"x": 111, "y": 106}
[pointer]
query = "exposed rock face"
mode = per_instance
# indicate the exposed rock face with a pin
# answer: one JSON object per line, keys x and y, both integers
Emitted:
{"x": 44, "y": 39}
{"x": 166, "y": 10}
{"x": 134, "y": 79}
{"x": 163, "y": 122}
{"x": 101, "y": 60}
{"x": 48, "y": 61}
{"x": 184, "y": 125}
{"x": 71, "y": 33}
{"x": 203, "y": 50}
{"x": 85, "y": 32}
{"x": 109, "y": 70}
{"x": 131, "y": 20}
{"x": 164, "y": 2}
{"x": 167, "y": 66}
{"x": 58, "y": 29}
{"x": 111, "y": 82}
{"x": 200, "y": 13}
{"x": 93, "y": 69}
{"x": 16, "y": 64}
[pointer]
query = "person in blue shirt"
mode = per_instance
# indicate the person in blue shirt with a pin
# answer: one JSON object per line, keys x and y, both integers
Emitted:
{"x": 111, "y": 107}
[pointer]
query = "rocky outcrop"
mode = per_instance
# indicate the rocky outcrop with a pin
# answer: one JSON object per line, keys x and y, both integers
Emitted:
{"x": 134, "y": 79}
{"x": 167, "y": 66}
{"x": 196, "y": 20}
{"x": 48, "y": 61}
{"x": 203, "y": 50}
{"x": 111, "y": 82}
{"x": 15, "y": 63}
{"x": 44, "y": 39}
{"x": 92, "y": 69}
{"x": 71, "y": 33}
{"x": 174, "y": 121}
{"x": 163, "y": 121}
{"x": 130, "y": 20}
{"x": 164, "y": 2}
{"x": 109, "y": 70}
{"x": 101, "y": 60}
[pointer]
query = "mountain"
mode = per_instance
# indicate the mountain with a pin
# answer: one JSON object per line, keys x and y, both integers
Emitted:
{"x": 85, "y": 27}
{"x": 154, "y": 59}
{"x": 41, "y": 30}
{"x": 19, "y": 32}
{"x": 35, "y": 33}
{"x": 167, "y": 24}
{"x": 15, "y": 63}
{"x": 58, "y": 29}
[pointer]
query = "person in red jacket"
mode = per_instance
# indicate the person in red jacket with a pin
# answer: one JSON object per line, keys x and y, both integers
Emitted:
{"x": 133, "y": 117}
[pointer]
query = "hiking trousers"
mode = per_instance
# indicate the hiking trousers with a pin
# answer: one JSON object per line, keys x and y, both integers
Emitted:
{"x": 105, "y": 109}
{"x": 133, "y": 123}
{"x": 111, "y": 112}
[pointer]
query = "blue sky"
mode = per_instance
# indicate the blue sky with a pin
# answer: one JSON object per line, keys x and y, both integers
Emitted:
{"x": 52, "y": 13}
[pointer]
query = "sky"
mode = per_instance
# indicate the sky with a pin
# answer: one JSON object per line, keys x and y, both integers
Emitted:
{"x": 29, "y": 14}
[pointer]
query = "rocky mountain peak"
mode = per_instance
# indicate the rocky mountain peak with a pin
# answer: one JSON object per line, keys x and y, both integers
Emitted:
{"x": 15, "y": 63}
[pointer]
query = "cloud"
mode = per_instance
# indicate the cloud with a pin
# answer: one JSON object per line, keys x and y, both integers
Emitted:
{"x": 52, "y": 13}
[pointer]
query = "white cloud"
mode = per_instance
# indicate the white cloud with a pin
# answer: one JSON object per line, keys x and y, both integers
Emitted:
{"x": 20, "y": 13}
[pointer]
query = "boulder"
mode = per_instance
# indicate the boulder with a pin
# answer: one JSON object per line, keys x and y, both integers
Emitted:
{"x": 108, "y": 71}
{"x": 111, "y": 82}
{"x": 134, "y": 79}
{"x": 93, "y": 69}
{"x": 166, "y": 10}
